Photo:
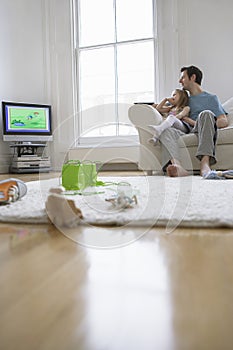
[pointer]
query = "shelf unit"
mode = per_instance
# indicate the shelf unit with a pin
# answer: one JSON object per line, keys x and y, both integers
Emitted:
{"x": 29, "y": 158}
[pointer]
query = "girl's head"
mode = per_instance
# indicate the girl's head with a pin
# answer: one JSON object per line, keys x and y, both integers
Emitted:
{"x": 179, "y": 98}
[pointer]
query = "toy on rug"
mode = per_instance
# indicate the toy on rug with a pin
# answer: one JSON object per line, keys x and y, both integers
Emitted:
{"x": 62, "y": 212}
{"x": 219, "y": 175}
{"x": 122, "y": 202}
{"x": 124, "y": 198}
{"x": 11, "y": 190}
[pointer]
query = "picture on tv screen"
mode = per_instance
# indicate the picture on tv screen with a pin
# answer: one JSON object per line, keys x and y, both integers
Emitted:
{"x": 27, "y": 119}
{"x": 26, "y": 122}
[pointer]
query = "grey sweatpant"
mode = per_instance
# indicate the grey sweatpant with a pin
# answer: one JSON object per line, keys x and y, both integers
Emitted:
{"x": 206, "y": 131}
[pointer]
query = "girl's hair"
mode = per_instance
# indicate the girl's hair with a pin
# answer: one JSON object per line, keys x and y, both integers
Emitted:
{"x": 183, "y": 98}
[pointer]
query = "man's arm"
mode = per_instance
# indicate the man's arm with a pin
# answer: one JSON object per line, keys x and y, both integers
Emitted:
{"x": 222, "y": 121}
{"x": 218, "y": 110}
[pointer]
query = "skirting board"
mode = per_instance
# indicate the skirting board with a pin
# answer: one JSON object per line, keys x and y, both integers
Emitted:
{"x": 118, "y": 167}
{"x": 4, "y": 164}
{"x": 110, "y": 158}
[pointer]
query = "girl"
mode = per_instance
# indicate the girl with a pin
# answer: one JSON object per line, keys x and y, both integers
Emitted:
{"x": 174, "y": 114}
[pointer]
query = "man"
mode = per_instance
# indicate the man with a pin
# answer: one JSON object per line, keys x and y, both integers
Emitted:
{"x": 206, "y": 115}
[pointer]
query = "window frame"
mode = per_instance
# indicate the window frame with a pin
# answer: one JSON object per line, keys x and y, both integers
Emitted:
{"x": 117, "y": 140}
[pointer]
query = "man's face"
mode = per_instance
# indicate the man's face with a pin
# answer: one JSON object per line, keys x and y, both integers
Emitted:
{"x": 184, "y": 80}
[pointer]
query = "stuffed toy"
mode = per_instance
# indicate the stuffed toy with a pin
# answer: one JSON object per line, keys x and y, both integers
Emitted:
{"x": 11, "y": 190}
{"x": 61, "y": 211}
{"x": 219, "y": 175}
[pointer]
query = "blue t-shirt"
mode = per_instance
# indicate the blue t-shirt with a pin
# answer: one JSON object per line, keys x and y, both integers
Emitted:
{"x": 204, "y": 101}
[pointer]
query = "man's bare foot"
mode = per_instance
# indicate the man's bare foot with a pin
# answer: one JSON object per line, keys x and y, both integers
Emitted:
{"x": 205, "y": 166}
{"x": 205, "y": 170}
{"x": 175, "y": 170}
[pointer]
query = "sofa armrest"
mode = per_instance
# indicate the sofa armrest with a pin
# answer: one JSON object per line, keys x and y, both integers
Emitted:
{"x": 230, "y": 119}
{"x": 142, "y": 115}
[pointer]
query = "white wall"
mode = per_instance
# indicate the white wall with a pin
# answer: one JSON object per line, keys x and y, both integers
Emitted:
{"x": 36, "y": 57}
{"x": 206, "y": 40}
{"x": 36, "y": 65}
{"x": 196, "y": 32}
{"x": 22, "y": 59}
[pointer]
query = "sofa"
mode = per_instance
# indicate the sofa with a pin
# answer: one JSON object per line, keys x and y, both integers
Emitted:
{"x": 142, "y": 115}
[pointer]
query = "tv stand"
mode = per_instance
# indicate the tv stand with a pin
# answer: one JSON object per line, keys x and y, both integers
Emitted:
{"x": 29, "y": 158}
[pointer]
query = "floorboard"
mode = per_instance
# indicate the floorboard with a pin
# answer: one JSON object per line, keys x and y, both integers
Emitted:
{"x": 158, "y": 292}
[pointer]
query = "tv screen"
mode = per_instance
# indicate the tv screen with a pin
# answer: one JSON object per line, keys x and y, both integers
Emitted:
{"x": 26, "y": 122}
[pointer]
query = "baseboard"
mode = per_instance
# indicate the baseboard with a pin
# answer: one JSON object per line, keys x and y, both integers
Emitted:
{"x": 109, "y": 158}
{"x": 4, "y": 164}
{"x": 118, "y": 167}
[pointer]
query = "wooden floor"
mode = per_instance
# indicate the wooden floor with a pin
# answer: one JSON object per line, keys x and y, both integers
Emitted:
{"x": 158, "y": 292}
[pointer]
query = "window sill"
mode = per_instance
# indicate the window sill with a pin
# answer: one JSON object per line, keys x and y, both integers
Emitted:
{"x": 108, "y": 142}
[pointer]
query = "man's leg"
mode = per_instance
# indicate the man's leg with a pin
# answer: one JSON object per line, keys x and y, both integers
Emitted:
{"x": 205, "y": 165}
{"x": 206, "y": 129}
{"x": 170, "y": 152}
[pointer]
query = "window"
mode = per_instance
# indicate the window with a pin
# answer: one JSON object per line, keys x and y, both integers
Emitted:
{"x": 116, "y": 49}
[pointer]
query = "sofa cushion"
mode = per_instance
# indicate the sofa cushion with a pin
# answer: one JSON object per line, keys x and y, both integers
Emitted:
{"x": 230, "y": 118}
{"x": 228, "y": 106}
{"x": 225, "y": 136}
{"x": 187, "y": 140}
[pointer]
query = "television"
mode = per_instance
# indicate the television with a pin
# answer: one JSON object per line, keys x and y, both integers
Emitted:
{"x": 26, "y": 122}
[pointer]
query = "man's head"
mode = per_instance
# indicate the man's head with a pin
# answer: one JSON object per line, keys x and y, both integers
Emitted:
{"x": 190, "y": 75}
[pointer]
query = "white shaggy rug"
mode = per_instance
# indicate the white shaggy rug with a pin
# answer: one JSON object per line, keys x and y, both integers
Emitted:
{"x": 162, "y": 201}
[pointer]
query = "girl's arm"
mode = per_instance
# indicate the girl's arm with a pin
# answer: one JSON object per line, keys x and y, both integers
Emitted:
{"x": 189, "y": 121}
{"x": 184, "y": 113}
{"x": 162, "y": 108}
